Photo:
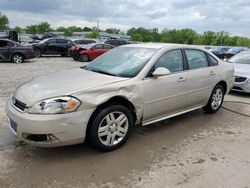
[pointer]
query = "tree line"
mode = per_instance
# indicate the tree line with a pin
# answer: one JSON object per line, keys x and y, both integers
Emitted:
{"x": 181, "y": 36}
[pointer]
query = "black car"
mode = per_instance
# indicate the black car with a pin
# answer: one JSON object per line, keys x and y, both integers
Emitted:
{"x": 117, "y": 42}
{"x": 36, "y": 39}
{"x": 13, "y": 51}
{"x": 52, "y": 46}
{"x": 83, "y": 41}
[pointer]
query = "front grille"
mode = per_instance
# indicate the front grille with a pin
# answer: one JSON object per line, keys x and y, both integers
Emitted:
{"x": 240, "y": 79}
{"x": 18, "y": 104}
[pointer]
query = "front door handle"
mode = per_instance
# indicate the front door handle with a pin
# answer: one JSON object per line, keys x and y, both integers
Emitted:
{"x": 181, "y": 79}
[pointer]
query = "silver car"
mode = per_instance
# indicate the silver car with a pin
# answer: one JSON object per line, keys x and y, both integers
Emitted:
{"x": 131, "y": 84}
{"x": 241, "y": 62}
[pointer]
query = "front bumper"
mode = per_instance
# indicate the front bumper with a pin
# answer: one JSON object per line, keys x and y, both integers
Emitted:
{"x": 242, "y": 86}
{"x": 63, "y": 129}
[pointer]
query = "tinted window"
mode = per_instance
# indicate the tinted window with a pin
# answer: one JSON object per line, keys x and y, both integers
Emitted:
{"x": 62, "y": 41}
{"x": 172, "y": 60}
{"x": 98, "y": 46}
{"x": 51, "y": 41}
{"x": 107, "y": 46}
{"x": 196, "y": 59}
{"x": 3, "y": 43}
{"x": 212, "y": 60}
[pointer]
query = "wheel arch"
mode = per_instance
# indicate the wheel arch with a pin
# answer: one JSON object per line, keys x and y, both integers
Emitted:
{"x": 112, "y": 101}
{"x": 223, "y": 84}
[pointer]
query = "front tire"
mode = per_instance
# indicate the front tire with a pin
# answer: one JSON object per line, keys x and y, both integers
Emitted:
{"x": 215, "y": 100}
{"x": 17, "y": 58}
{"x": 84, "y": 58}
{"x": 38, "y": 52}
{"x": 111, "y": 128}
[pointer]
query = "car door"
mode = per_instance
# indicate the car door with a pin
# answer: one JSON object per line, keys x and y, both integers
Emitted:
{"x": 50, "y": 47}
{"x": 200, "y": 78}
{"x": 167, "y": 94}
{"x": 5, "y": 50}
{"x": 97, "y": 51}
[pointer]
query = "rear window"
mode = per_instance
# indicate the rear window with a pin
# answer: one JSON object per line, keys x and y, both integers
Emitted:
{"x": 3, "y": 43}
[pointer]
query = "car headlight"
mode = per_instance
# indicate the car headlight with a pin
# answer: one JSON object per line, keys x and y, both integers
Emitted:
{"x": 57, "y": 105}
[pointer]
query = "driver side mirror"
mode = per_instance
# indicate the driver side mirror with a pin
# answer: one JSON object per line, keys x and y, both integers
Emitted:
{"x": 160, "y": 71}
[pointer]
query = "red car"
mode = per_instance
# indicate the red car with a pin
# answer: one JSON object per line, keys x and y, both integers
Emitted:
{"x": 91, "y": 51}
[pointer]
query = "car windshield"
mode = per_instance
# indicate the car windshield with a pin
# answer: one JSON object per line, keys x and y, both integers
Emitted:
{"x": 241, "y": 58}
{"x": 122, "y": 61}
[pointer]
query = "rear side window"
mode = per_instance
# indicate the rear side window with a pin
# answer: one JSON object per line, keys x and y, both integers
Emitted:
{"x": 171, "y": 60}
{"x": 212, "y": 60}
{"x": 62, "y": 41}
{"x": 107, "y": 46}
{"x": 98, "y": 46}
{"x": 196, "y": 59}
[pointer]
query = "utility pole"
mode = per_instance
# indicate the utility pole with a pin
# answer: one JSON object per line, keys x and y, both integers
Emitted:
{"x": 97, "y": 32}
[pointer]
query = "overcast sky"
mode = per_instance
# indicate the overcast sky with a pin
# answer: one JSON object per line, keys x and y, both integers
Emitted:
{"x": 200, "y": 15}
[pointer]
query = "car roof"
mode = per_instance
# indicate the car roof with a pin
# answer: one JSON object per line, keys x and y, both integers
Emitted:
{"x": 163, "y": 45}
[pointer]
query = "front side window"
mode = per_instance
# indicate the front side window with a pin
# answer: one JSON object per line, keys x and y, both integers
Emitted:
{"x": 51, "y": 41}
{"x": 196, "y": 59}
{"x": 172, "y": 60}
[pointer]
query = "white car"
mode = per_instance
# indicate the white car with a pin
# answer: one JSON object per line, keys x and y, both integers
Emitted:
{"x": 131, "y": 84}
{"x": 241, "y": 62}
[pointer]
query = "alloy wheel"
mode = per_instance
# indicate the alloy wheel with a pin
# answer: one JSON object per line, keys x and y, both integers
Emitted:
{"x": 113, "y": 128}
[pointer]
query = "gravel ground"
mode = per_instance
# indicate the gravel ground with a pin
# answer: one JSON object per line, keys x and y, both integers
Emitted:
{"x": 192, "y": 150}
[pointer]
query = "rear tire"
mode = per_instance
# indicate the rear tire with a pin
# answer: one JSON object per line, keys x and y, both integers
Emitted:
{"x": 215, "y": 100}
{"x": 111, "y": 128}
{"x": 17, "y": 58}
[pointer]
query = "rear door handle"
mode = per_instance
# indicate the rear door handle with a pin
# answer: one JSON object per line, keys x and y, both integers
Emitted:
{"x": 181, "y": 79}
{"x": 212, "y": 73}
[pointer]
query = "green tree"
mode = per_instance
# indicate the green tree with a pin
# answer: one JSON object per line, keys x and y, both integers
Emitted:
{"x": 4, "y": 22}
{"x": 18, "y": 29}
{"x": 136, "y": 37}
{"x": 87, "y": 29}
{"x": 113, "y": 30}
{"x": 43, "y": 27}
{"x": 31, "y": 29}
{"x": 61, "y": 29}
{"x": 68, "y": 32}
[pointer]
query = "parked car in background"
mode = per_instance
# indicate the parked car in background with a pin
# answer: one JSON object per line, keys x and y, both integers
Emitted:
{"x": 36, "y": 39}
{"x": 241, "y": 62}
{"x": 9, "y": 34}
{"x": 89, "y": 52}
{"x": 15, "y": 52}
{"x": 219, "y": 52}
{"x": 74, "y": 50}
{"x": 232, "y": 51}
{"x": 52, "y": 46}
{"x": 103, "y": 100}
{"x": 117, "y": 42}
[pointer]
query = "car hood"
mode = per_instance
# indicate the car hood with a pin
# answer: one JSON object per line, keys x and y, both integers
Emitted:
{"x": 241, "y": 69}
{"x": 62, "y": 83}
